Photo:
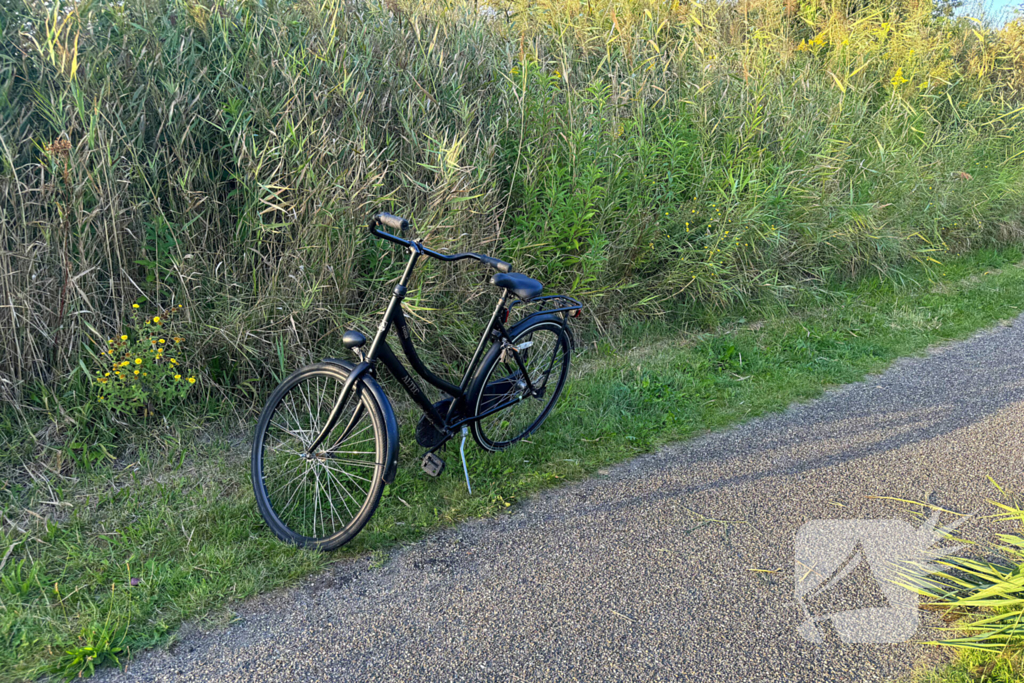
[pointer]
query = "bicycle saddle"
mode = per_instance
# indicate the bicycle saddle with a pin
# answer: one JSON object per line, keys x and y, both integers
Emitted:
{"x": 523, "y": 287}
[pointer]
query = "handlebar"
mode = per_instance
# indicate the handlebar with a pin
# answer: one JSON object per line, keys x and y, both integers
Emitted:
{"x": 399, "y": 223}
{"x": 393, "y": 222}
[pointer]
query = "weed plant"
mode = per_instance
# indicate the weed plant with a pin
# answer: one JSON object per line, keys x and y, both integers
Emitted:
{"x": 651, "y": 158}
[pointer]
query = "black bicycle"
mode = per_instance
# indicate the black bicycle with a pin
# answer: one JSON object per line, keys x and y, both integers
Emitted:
{"x": 327, "y": 441}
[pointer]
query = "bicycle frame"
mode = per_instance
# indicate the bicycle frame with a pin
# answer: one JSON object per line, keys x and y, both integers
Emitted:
{"x": 394, "y": 316}
{"x": 380, "y": 349}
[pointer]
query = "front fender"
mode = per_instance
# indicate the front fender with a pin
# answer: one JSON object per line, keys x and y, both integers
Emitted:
{"x": 390, "y": 421}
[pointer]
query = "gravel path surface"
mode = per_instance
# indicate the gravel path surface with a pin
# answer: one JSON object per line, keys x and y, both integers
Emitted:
{"x": 645, "y": 573}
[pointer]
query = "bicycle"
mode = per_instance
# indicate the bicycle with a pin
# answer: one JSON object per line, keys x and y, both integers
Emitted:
{"x": 326, "y": 442}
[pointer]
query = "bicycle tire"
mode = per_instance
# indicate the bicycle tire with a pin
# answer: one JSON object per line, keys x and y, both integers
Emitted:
{"x": 489, "y": 390}
{"x": 329, "y": 473}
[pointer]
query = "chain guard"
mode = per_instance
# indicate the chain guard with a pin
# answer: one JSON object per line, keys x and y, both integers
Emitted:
{"x": 427, "y": 435}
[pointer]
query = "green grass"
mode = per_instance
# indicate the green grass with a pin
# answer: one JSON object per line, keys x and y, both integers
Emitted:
{"x": 976, "y": 667}
{"x": 641, "y": 155}
{"x": 175, "y": 515}
{"x": 663, "y": 161}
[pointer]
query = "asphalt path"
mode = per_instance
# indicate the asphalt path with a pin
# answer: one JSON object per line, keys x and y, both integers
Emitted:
{"x": 682, "y": 565}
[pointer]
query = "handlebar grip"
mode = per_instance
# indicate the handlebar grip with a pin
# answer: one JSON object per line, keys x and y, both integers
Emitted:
{"x": 391, "y": 221}
{"x": 497, "y": 264}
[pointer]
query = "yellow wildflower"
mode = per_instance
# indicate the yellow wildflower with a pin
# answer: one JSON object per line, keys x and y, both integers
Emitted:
{"x": 161, "y": 341}
{"x": 138, "y": 361}
{"x": 135, "y": 305}
{"x": 191, "y": 380}
{"x": 124, "y": 337}
{"x": 136, "y": 372}
{"x": 156, "y": 319}
{"x": 898, "y": 79}
{"x": 177, "y": 377}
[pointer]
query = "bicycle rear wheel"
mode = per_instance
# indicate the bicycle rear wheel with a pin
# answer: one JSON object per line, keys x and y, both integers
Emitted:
{"x": 500, "y": 381}
{"x": 324, "y": 499}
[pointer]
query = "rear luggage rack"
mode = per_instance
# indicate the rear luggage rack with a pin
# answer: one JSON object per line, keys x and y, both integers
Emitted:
{"x": 555, "y": 303}
{"x": 567, "y": 304}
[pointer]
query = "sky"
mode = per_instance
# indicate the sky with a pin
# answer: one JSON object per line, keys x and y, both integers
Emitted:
{"x": 995, "y": 8}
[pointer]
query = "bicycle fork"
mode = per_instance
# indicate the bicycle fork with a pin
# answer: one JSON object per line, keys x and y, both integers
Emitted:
{"x": 339, "y": 407}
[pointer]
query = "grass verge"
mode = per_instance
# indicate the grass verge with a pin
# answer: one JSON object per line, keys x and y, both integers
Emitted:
{"x": 976, "y": 667}
{"x": 99, "y": 566}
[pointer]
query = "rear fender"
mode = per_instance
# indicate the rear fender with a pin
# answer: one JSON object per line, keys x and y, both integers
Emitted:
{"x": 541, "y": 315}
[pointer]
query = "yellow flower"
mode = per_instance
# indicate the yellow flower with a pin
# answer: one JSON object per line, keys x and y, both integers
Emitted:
{"x": 161, "y": 341}
{"x": 177, "y": 377}
{"x": 898, "y": 79}
{"x": 136, "y": 372}
{"x": 138, "y": 361}
{"x": 124, "y": 337}
{"x": 174, "y": 361}
{"x": 110, "y": 341}
{"x": 156, "y": 318}
{"x": 135, "y": 305}
{"x": 191, "y": 380}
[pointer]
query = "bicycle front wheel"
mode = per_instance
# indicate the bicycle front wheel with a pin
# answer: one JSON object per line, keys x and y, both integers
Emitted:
{"x": 500, "y": 382}
{"x": 320, "y": 500}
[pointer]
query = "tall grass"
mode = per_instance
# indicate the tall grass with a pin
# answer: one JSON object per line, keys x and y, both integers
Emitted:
{"x": 651, "y": 157}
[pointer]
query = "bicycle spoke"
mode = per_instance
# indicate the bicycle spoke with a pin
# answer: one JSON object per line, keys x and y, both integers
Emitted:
{"x": 351, "y": 463}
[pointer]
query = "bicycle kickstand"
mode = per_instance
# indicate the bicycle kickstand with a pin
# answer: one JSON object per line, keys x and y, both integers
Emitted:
{"x": 462, "y": 452}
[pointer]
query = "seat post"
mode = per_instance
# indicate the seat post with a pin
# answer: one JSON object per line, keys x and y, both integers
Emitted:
{"x": 502, "y": 300}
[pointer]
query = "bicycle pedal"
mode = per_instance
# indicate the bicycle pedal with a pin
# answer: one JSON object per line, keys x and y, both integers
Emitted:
{"x": 432, "y": 464}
